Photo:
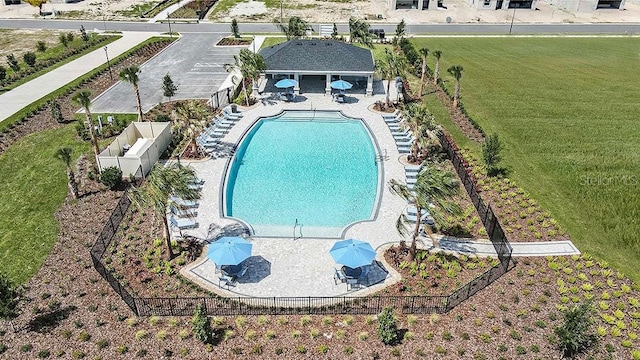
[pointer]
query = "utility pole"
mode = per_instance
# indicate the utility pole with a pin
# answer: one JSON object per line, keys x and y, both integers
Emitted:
{"x": 169, "y": 18}
{"x": 281, "y": 11}
{"x": 108, "y": 63}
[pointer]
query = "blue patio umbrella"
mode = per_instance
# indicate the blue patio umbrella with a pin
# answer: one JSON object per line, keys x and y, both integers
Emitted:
{"x": 286, "y": 83}
{"x": 341, "y": 85}
{"x": 352, "y": 253}
{"x": 229, "y": 250}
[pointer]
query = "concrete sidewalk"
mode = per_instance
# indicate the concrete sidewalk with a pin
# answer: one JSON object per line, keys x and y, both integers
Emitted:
{"x": 485, "y": 248}
{"x": 14, "y": 100}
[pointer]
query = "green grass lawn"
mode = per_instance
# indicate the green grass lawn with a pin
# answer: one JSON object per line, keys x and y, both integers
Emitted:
{"x": 567, "y": 112}
{"x": 33, "y": 186}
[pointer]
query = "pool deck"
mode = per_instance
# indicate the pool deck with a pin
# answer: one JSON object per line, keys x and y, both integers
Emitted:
{"x": 300, "y": 267}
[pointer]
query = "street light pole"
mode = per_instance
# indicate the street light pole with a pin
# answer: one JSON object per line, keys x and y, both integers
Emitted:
{"x": 280, "y": 11}
{"x": 108, "y": 63}
{"x": 512, "y": 17}
{"x": 169, "y": 18}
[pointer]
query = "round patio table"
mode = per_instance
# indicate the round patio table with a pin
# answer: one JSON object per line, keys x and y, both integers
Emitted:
{"x": 351, "y": 272}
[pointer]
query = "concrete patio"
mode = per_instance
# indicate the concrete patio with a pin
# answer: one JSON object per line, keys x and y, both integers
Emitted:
{"x": 302, "y": 266}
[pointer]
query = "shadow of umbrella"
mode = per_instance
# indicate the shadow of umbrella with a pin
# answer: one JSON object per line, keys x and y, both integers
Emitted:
{"x": 258, "y": 269}
{"x": 376, "y": 275}
{"x": 215, "y": 232}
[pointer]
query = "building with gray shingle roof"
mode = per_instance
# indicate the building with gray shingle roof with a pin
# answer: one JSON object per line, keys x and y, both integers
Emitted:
{"x": 330, "y": 59}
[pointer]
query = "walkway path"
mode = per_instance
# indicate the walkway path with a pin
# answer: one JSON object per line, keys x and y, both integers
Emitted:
{"x": 14, "y": 100}
{"x": 542, "y": 248}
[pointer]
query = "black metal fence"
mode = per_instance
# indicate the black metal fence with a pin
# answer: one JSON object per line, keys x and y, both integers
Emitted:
{"x": 491, "y": 223}
{"x": 233, "y": 306}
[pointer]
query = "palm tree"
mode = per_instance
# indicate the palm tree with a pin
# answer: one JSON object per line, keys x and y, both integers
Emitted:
{"x": 433, "y": 186}
{"x": 424, "y": 52}
{"x": 64, "y": 155}
{"x": 83, "y": 98}
{"x": 297, "y": 28}
{"x": 436, "y": 73}
{"x": 249, "y": 65}
{"x": 359, "y": 32}
{"x": 392, "y": 65}
{"x": 192, "y": 117}
{"x": 456, "y": 72}
{"x": 162, "y": 182}
{"x": 130, "y": 75}
{"x": 414, "y": 118}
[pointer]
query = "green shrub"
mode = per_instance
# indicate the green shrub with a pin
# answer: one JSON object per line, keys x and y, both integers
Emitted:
{"x": 575, "y": 335}
{"x": 387, "y": 328}
{"x": 43, "y": 354}
{"x": 26, "y": 348}
{"x": 41, "y": 46}
{"x": 201, "y": 326}
{"x": 111, "y": 177}
{"x": 29, "y": 58}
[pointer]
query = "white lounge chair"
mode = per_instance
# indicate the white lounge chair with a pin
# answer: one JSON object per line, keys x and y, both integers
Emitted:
{"x": 424, "y": 219}
{"x": 411, "y": 210}
{"x": 183, "y": 223}
{"x": 183, "y": 203}
{"x": 231, "y": 115}
{"x": 404, "y": 143}
{"x": 181, "y": 213}
{"x": 412, "y": 168}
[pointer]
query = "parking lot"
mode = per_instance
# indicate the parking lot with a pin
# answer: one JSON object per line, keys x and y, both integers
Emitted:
{"x": 195, "y": 64}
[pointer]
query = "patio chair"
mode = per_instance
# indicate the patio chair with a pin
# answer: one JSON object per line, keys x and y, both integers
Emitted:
{"x": 183, "y": 223}
{"x": 412, "y": 168}
{"x": 183, "y": 203}
{"x": 340, "y": 99}
{"x": 352, "y": 284}
{"x": 404, "y": 149}
{"x": 230, "y": 114}
{"x": 339, "y": 277}
{"x": 181, "y": 213}
{"x": 227, "y": 281}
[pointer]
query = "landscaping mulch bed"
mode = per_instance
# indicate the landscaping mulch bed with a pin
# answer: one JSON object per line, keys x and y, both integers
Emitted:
{"x": 433, "y": 273}
{"x": 234, "y": 42}
{"x": 458, "y": 117}
{"x": 521, "y": 217}
{"x": 44, "y": 121}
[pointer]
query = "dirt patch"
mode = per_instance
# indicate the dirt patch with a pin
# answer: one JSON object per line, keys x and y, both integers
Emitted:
{"x": 18, "y": 42}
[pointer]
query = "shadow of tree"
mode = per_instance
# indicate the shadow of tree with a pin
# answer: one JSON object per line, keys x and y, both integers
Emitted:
{"x": 44, "y": 323}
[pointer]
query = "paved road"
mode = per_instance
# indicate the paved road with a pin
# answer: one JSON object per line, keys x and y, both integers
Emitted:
{"x": 25, "y": 94}
{"x": 601, "y": 28}
{"x": 193, "y": 62}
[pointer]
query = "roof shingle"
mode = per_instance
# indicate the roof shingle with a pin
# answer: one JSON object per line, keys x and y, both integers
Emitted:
{"x": 317, "y": 55}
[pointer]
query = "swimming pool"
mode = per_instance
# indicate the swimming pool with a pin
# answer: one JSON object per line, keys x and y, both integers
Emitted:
{"x": 316, "y": 171}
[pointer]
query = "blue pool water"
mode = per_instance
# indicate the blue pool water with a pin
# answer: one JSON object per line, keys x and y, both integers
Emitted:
{"x": 317, "y": 168}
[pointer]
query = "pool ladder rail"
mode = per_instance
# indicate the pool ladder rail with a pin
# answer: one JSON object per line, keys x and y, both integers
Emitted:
{"x": 382, "y": 157}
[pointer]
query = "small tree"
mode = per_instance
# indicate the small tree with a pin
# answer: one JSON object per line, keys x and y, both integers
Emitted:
{"x": 56, "y": 111}
{"x": 359, "y": 32}
{"x": 334, "y": 33}
{"x": 37, "y": 3}
{"x": 41, "y": 46}
{"x": 64, "y": 154}
{"x": 83, "y": 34}
{"x": 387, "y": 328}
{"x": 491, "y": 153}
{"x": 201, "y": 326}
{"x": 70, "y": 37}
{"x": 234, "y": 29}
{"x": 29, "y": 58}
{"x": 456, "y": 72}
{"x": 3, "y": 73}
{"x": 424, "y": 52}
{"x": 9, "y": 299}
{"x": 575, "y": 334}
{"x": 13, "y": 63}
{"x": 169, "y": 88}
{"x": 296, "y": 28}
{"x": 63, "y": 40}
{"x": 111, "y": 177}
{"x": 401, "y": 30}
{"x": 130, "y": 75}
{"x": 436, "y": 73}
